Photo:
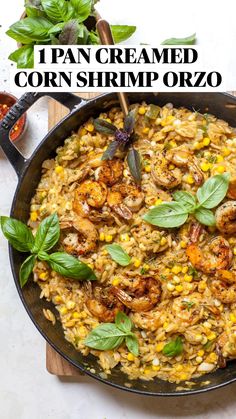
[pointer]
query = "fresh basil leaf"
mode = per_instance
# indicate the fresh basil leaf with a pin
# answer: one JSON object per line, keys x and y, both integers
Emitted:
{"x": 47, "y": 235}
{"x": 82, "y": 35}
{"x": 33, "y": 11}
{"x": 205, "y": 216}
{"x": 189, "y": 40}
{"x": 129, "y": 121}
{"x": 17, "y": 233}
{"x": 70, "y": 267}
{"x": 153, "y": 111}
{"x": 167, "y": 215}
{"x": 134, "y": 163}
{"x": 69, "y": 33}
{"x": 81, "y": 9}
{"x": 132, "y": 344}
{"x": 123, "y": 322}
{"x": 24, "y": 56}
{"x": 186, "y": 199}
{"x": 30, "y": 29}
{"x": 54, "y": 40}
{"x": 104, "y": 127}
{"x": 56, "y": 10}
{"x": 122, "y": 32}
{"x": 173, "y": 348}
{"x": 93, "y": 38}
{"x": 26, "y": 269}
{"x": 43, "y": 255}
{"x": 118, "y": 254}
{"x": 56, "y": 28}
{"x": 110, "y": 151}
{"x": 104, "y": 337}
{"x": 213, "y": 191}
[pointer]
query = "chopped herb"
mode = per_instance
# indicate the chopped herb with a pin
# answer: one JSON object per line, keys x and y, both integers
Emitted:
{"x": 188, "y": 304}
{"x": 192, "y": 271}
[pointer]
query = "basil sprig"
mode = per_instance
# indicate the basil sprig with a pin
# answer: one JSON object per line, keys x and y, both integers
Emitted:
{"x": 175, "y": 213}
{"x": 123, "y": 138}
{"x": 118, "y": 254}
{"x": 188, "y": 40}
{"x": 21, "y": 238}
{"x": 173, "y": 348}
{"x": 111, "y": 335}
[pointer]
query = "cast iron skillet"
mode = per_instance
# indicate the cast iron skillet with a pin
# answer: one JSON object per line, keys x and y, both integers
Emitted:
{"x": 29, "y": 172}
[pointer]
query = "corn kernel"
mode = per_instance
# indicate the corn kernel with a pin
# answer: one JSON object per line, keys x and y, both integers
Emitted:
{"x": 160, "y": 346}
{"x": 63, "y": 310}
{"x": 59, "y": 169}
{"x": 220, "y": 169}
{"x": 171, "y": 166}
{"x": 205, "y": 166}
{"x": 146, "y": 267}
{"x": 142, "y": 110}
{"x": 82, "y": 331}
{"x": 75, "y": 315}
{"x": 108, "y": 120}
{"x": 179, "y": 288}
{"x": 130, "y": 357}
{"x": 183, "y": 244}
{"x": 185, "y": 269}
{"x": 163, "y": 241}
{"x": 179, "y": 368}
{"x": 43, "y": 275}
{"x": 189, "y": 179}
{"x": 234, "y": 250}
{"x": 232, "y": 317}
{"x": 33, "y": 216}
{"x": 83, "y": 132}
{"x": 201, "y": 352}
{"x": 121, "y": 125}
{"x": 102, "y": 237}
{"x": 176, "y": 269}
{"x": 115, "y": 282}
{"x": 176, "y": 279}
{"x": 170, "y": 286}
{"x": 231, "y": 240}
{"x": 156, "y": 367}
{"x": 183, "y": 376}
{"x": 145, "y": 130}
{"x": 137, "y": 263}
{"x": 226, "y": 151}
{"x": 165, "y": 325}
{"x": 58, "y": 299}
{"x": 147, "y": 371}
{"x": 172, "y": 143}
{"x": 199, "y": 359}
{"x": 211, "y": 336}
{"x": 147, "y": 168}
{"x": 124, "y": 237}
{"x": 206, "y": 141}
{"x": 90, "y": 127}
{"x": 158, "y": 201}
{"x": 219, "y": 159}
{"x": 188, "y": 278}
{"x": 70, "y": 305}
{"x": 108, "y": 238}
{"x": 212, "y": 357}
{"x": 202, "y": 286}
{"x": 168, "y": 120}
{"x": 104, "y": 252}
{"x": 198, "y": 145}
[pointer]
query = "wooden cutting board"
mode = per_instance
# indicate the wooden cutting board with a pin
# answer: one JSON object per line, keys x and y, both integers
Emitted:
{"x": 55, "y": 364}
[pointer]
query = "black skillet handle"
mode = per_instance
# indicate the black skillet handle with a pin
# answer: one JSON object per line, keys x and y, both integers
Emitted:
{"x": 21, "y": 106}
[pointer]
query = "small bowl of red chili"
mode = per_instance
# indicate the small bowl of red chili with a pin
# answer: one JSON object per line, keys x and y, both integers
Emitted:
{"x": 6, "y": 102}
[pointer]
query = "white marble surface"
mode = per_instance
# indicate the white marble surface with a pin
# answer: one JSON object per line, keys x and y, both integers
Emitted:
{"x": 26, "y": 389}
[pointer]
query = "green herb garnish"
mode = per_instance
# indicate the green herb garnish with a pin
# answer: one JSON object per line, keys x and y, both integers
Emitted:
{"x": 173, "y": 348}
{"x": 123, "y": 138}
{"x": 118, "y": 254}
{"x": 51, "y": 22}
{"x": 21, "y": 238}
{"x": 189, "y": 40}
{"x": 175, "y": 213}
{"x": 111, "y": 335}
{"x": 188, "y": 304}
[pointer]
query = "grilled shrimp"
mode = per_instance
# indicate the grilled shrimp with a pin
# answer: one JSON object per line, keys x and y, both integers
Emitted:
{"x": 214, "y": 256}
{"x": 143, "y": 298}
{"x": 223, "y": 286}
{"x": 182, "y": 158}
{"x": 231, "y": 193}
{"x": 110, "y": 171}
{"x": 89, "y": 194}
{"x": 82, "y": 237}
{"x": 147, "y": 320}
{"x": 226, "y": 217}
{"x": 162, "y": 176}
{"x": 103, "y": 305}
{"x": 125, "y": 199}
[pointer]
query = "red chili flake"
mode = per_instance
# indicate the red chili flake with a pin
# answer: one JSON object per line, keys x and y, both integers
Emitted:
{"x": 18, "y": 127}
